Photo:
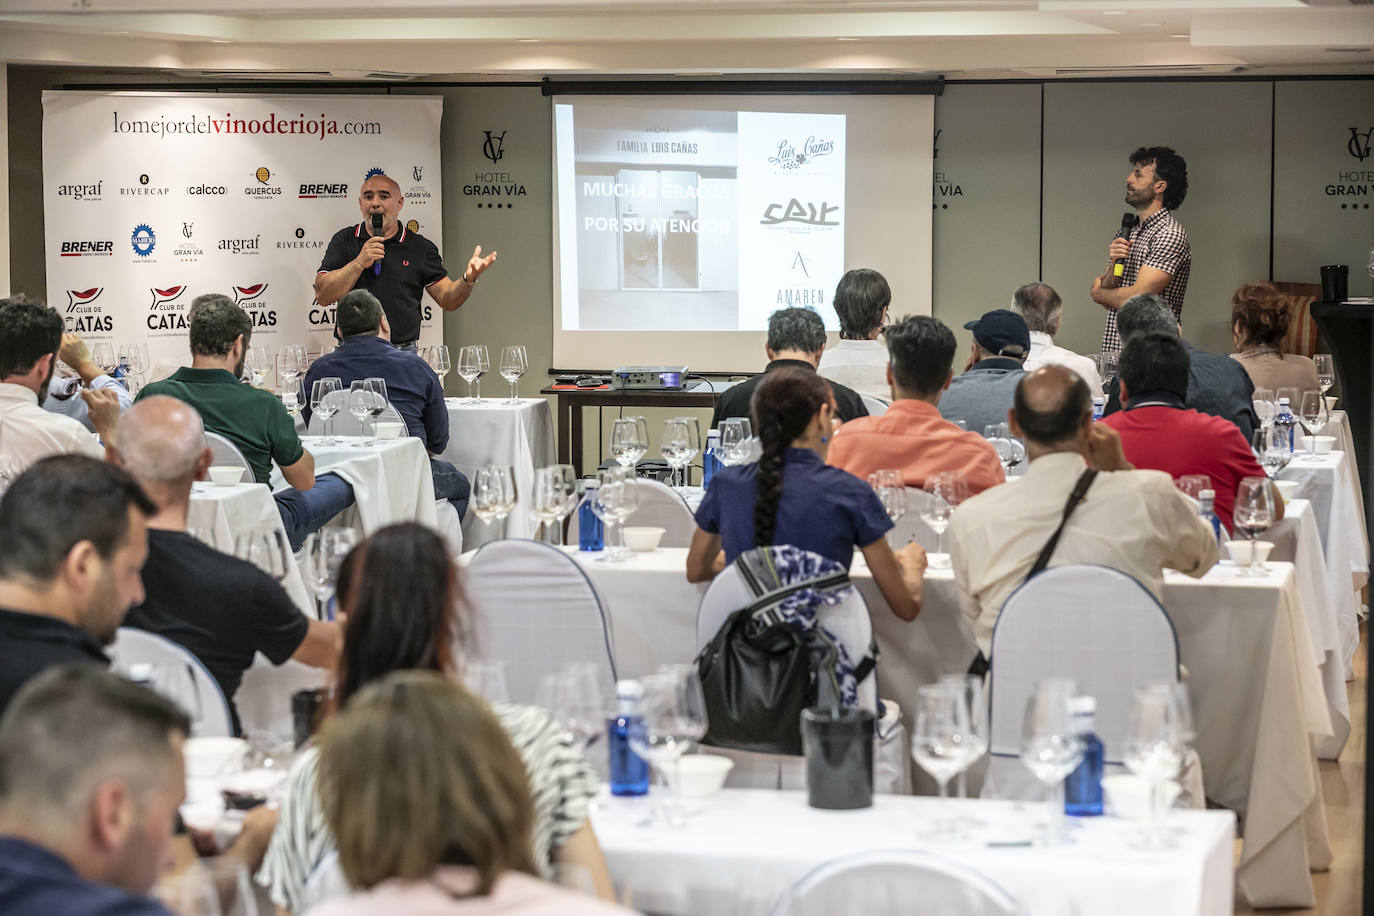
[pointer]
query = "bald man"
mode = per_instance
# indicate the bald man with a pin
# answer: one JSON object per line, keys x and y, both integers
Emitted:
{"x": 1134, "y": 521}
{"x": 222, "y": 609}
{"x": 396, "y": 265}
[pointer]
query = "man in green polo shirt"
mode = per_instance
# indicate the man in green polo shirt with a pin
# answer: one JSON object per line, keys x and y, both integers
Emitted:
{"x": 252, "y": 419}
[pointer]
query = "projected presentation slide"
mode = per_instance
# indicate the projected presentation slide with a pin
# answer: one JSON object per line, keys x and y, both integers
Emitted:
{"x": 701, "y": 220}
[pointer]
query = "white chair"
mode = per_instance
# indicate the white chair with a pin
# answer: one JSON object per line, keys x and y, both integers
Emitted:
{"x": 660, "y": 506}
{"x": 896, "y": 881}
{"x": 537, "y": 611}
{"x": 227, "y": 454}
{"x": 205, "y": 703}
{"x": 1091, "y": 623}
{"x": 876, "y": 406}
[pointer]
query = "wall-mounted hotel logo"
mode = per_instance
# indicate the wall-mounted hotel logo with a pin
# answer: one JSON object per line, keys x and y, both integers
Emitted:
{"x": 491, "y": 147}
{"x": 1359, "y": 143}
{"x": 1355, "y": 187}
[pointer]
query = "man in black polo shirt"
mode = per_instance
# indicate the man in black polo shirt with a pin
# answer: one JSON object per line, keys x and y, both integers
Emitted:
{"x": 396, "y": 265}
{"x": 75, "y": 535}
{"x": 222, "y": 609}
{"x": 796, "y": 337}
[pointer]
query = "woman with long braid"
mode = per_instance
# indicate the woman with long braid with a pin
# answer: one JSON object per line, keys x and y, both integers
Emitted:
{"x": 790, "y": 496}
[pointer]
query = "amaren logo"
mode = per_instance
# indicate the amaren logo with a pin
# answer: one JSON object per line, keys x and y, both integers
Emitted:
{"x": 82, "y": 316}
{"x": 258, "y": 309}
{"x": 265, "y": 190}
{"x": 80, "y": 249}
{"x": 80, "y": 191}
{"x": 318, "y": 191}
{"x": 240, "y": 246}
{"x": 167, "y": 313}
{"x": 143, "y": 240}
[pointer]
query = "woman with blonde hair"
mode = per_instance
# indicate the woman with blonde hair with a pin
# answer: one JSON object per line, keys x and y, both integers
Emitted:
{"x": 429, "y": 804}
{"x": 1259, "y": 322}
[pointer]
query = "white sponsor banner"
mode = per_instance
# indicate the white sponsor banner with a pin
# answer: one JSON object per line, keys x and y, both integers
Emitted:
{"x": 151, "y": 199}
{"x": 791, "y": 213}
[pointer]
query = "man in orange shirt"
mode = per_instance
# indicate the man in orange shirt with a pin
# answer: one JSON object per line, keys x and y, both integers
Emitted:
{"x": 912, "y": 436}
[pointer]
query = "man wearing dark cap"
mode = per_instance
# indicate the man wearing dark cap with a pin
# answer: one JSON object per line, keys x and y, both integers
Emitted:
{"x": 983, "y": 394}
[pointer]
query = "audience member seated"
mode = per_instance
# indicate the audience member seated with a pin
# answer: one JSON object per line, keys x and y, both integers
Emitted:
{"x": 252, "y": 419}
{"x": 411, "y": 385}
{"x": 796, "y": 340}
{"x": 222, "y": 609}
{"x": 859, "y": 359}
{"x": 912, "y": 436}
{"x": 1134, "y": 521}
{"x": 404, "y": 604}
{"x": 982, "y": 394}
{"x": 1259, "y": 323}
{"x": 30, "y": 336}
{"x": 1217, "y": 385}
{"x": 453, "y": 834}
{"x": 64, "y": 391}
{"x": 91, "y": 776}
{"x": 1042, "y": 309}
{"x": 790, "y": 496}
{"x": 74, "y": 531}
{"x": 1158, "y": 432}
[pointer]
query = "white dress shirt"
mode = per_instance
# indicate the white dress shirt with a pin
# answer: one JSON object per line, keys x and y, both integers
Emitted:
{"x": 1044, "y": 352}
{"x": 1134, "y": 521}
{"x": 28, "y": 432}
{"x": 858, "y": 364}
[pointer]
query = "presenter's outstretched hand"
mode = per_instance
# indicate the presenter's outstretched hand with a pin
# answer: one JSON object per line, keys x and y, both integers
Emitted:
{"x": 477, "y": 264}
{"x": 373, "y": 251}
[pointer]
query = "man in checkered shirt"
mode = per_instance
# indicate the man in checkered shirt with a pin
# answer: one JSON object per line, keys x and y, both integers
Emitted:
{"x": 1157, "y": 255}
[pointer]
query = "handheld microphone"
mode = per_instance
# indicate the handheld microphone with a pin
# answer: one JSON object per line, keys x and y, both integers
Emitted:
{"x": 377, "y": 232}
{"x": 1128, "y": 222}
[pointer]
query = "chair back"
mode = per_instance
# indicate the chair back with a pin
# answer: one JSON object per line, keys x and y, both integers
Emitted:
{"x": 227, "y": 453}
{"x": 660, "y": 506}
{"x": 537, "y": 611}
{"x": 1091, "y": 623}
{"x": 177, "y": 674}
{"x": 910, "y": 527}
{"x": 896, "y": 881}
{"x": 1302, "y": 337}
{"x": 876, "y": 406}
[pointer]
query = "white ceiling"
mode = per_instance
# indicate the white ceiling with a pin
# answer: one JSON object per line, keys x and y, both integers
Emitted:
{"x": 504, "y": 39}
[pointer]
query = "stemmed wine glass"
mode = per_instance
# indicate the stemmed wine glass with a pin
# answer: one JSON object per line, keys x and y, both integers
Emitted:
{"x": 942, "y": 741}
{"x": 468, "y": 370}
{"x": 554, "y": 487}
{"x": 289, "y": 367}
{"x": 325, "y": 550}
{"x": 629, "y": 440}
{"x": 616, "y": 499}
{"x": 678, "y": 445}
{"x": 1266, "y": 407}
{"x": 573, "y": 697}
{"x": 361, "y": 399}
{"x": 1254, "y": 513}
{"x": 735, "y": 439}
{"x": 1271, "y": 447}
{"x": 493, "y": 492}
{"x": 674, "y": 714}
{"x": 1051, "y": 747}
{"x": 440, "y": 361}
{"x": 1192, "y": 485}
{"x": 267, "y": 549}
{"x": 1313, "y": 416}
{"x": 945, "y": 491}
{"x": 1106, "y": 367}
{"x": 379, "y": 403}
{"x": 1326, "y": 372}
{"x": 1009, "y": 451}
{"x": 256, "y": 364}
{"x": 324, "y": 405}
{"x": 514, "y": 362}
{"x": 976, "y": 699}
{"x": 1153, "y": 750}
{"x": 486, "y": 677}
{"x": 890, "y": 487}
{"x": 483, "y": 364}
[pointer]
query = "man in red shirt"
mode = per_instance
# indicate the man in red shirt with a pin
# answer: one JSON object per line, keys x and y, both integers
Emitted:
{"x": 1158, "y": 432}
{"x": 911, "y": 435}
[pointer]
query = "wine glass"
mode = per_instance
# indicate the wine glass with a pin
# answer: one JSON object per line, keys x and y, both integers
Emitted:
{"x": 288, "y": 366}
{"x": 616, "y": 499}
{"x": 493, "y": 492}
{"x": 999, "y": 434}
{"x": 976, "y": 700}
{"x": 1312, "y": 413}
{"x": 1271, "y": 448}
{"x": 735, "y": 437}
{"x": 486, "y": 677}
{"x": 1153, "y": 750}
{"x": 675, "y": 444}
{"x": 360, "y": 401}
{"x": 552, "y": 486}
{"x": 1266, "y": 408}
{"x": 325, "y": 550}
{"x": 103, "y": 355}
{"x": 674, "y": 716}
{"x": 890, "y": 487}
{"x": 936, "y": 512}
{"x": 379, "y": 403}
{"x": 483, "y": 363}
{"x": 941, "y": 740}
{"x": 571, "y": 498}
{"x": 468, "y": 370}
{"x": 291, "y": 398}
{"x": 440, "y": 361}
{"x": 1254, "y": 513}
{"x": 1106, "y": 367}
{"x": 1192, "y": 485}
{"x": 1051, "y": 748}
{"x": 629, "y": 440}
{"x": 323, "y": 404}
{"x": 267, "y": 549}
{"x": 514, "y": 363}
{"x": 573, "y": 697}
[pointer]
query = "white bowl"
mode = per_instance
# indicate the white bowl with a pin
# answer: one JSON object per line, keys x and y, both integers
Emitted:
{"x": 1240, "y": 551}
{"x": 390, "y": 429}
{"x": 207, "y": 758}
{"x": 1331, "y": 400}
{"x": 226, "y": 475}
{"x": 1324, "y": 443}
{"x": 1127, "y": 795}
{"x": 699, "y": 775}
{"x": 1288, "y": 489}
{"x": 643, "y": 539}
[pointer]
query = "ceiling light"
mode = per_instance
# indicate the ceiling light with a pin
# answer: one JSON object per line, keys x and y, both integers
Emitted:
{"x": 846, "y": 39}
{"x": 1113, "y": 12}
{"x": 219, "y": 41}
{"x": 528, "y": 41}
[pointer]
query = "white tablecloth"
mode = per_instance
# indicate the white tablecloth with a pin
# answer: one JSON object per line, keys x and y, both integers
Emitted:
{"x": 391, "y": 480}
{"x": 495, "y": 432}
{"x": 1339, "y": 426}
{"x": 1257, "y": 689}
{"x": 746, "y": 846}
{"x": 230, "y": 511}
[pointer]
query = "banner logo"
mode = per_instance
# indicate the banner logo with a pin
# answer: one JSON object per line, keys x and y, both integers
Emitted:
{"x": 202, "y": 189}
{"x": 83, "y": 249}
{"x": 143, "y": 179}
{"x": 166, "y": 313}
{"x": 794, "y": 211}
{"x": 80, "y": 191}
{"x": 243, "y": 294}
{"x": 143, "y": 240}
{"x": 82, "y": 297}
{"x": 263, "y": 176}
{"x": 789, "y": 157}
{"x": 84, "y": 318}
{"x": 492, "y": 147}
{"x": 163, "y": 296}
{"x": 801, "y": 262}
{"x": 316, "y": 191}
{"x": 412, "y": 226}
{"x": 1359, "y": 143}
{"x": 142, "y": 189}
{"x": 301, "y": 241}
{"x": 258, "y": 309}
{"x": 240, "y": 246}
{"x": 186, "y": 230}
{"x": 416, "y": 171}
{"x": 300, "y": 233}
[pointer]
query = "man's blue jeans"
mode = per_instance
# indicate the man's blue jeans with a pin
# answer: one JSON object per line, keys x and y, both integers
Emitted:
{"x": 306, "y": 511}
{"x": 450, "y": 484}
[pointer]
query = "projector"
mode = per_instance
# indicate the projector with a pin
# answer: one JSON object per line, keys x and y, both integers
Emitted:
{"x": 649, "y": 377}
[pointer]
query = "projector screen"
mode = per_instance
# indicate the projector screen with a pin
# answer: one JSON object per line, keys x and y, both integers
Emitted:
{"x": 682, "y": 222}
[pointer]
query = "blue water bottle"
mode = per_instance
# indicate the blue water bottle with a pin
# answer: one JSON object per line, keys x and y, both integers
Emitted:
{"x": 1206, "y": 502}
{"x": 629, "y": 772}
{"x": 588, "y": 525}
{"x": 1083, "y": 787}
{"x": 710, "y": 463}
{"x": 1099, "y": 405}
{"x": 1285, "y": 423}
